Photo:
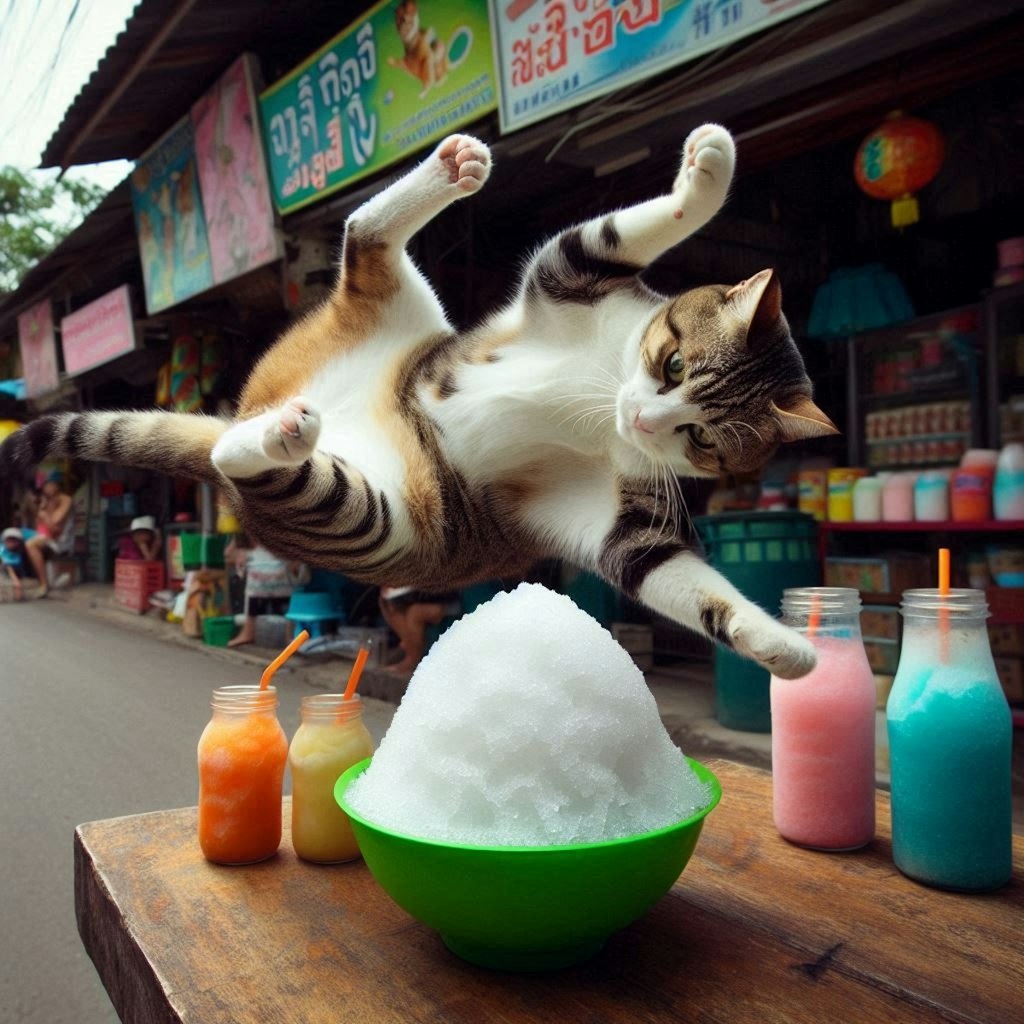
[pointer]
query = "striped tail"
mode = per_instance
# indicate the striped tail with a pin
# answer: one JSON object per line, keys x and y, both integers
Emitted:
{"x": 177, "y": 444}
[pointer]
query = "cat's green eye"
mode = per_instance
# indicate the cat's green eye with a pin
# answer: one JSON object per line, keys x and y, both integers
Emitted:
{"x": 674, "y": 368}
{"x": 701, "y": 438}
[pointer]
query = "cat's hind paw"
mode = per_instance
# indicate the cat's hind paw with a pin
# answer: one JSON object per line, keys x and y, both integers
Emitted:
{"x": 292, "y": 432}
{"x": 775, "y": 647}
{"x": 467, "y": 162}
{"x": 709, "y": 159}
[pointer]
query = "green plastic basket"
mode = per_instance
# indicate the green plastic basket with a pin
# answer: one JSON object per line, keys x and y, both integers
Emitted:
{"x": 218, "y": 630}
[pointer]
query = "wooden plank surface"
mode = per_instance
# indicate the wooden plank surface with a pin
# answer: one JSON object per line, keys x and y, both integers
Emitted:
{"x": 755, "y": 930}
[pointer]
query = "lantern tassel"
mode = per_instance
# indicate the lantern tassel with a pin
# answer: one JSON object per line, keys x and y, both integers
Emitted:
{"x": 905, "y": 211}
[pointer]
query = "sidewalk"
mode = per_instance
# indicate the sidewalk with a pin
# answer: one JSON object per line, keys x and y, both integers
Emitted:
{"x": 684, "y": 693}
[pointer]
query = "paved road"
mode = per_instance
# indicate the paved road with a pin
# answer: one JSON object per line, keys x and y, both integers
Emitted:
{"x": 96, "y": 721}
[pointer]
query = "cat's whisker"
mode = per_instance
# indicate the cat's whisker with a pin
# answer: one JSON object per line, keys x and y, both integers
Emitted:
{"x": 740, "y": 423}
{"x": 736, "y": 434}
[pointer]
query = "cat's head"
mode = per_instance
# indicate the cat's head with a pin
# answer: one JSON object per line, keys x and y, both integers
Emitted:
{"x": 718, "y": 382}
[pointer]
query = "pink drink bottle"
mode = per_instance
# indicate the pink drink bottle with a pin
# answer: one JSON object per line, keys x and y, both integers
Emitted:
{"x": 823, "y": 728}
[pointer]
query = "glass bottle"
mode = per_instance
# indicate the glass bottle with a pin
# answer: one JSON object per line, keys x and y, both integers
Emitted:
{"x": 242, "y": 755}
{"x": 330, "y": 739}
{"x": 823, "y": 728}
{"x": 950, "y": 740}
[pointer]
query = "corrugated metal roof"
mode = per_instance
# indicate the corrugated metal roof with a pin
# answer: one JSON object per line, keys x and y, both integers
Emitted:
{"x": 168, "y": 55}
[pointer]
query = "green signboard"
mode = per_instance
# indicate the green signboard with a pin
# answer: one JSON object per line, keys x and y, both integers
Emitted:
{"x": 391, "y": 83}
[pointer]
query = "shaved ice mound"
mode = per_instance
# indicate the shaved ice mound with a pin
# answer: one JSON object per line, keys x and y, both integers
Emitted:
{"x": 527, "y": 724}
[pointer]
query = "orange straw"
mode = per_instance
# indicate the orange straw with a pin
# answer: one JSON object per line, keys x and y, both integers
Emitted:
{"x": 357, "y": 671}
{"x": 814, "y": 616}
{"x": 943, "y": 608}
{"x": 269, "y": 671}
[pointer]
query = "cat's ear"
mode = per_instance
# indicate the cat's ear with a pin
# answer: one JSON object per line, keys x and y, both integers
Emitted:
{"x": 802, "y": 420}
{"x": 757, "y": 301}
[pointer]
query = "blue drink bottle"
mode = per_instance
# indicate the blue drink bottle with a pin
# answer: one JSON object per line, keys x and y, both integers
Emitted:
{"x": 950, "y": 739}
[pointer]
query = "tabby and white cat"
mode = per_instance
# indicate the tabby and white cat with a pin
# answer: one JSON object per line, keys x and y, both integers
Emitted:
{"x": 374, "y": 440}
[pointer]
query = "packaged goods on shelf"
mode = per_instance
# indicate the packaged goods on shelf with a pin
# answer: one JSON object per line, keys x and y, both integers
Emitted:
{"x": 883, "y": 655}
{"x": 1011, "y": 677}
{"x": 880, "y": 622}
{"x": 1006, "y": 639}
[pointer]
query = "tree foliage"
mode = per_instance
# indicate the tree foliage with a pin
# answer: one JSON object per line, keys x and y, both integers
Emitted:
{"x": 37, "y": 210}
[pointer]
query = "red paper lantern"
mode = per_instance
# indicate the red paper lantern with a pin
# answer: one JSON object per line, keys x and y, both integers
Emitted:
{"x": 901, "y": 156}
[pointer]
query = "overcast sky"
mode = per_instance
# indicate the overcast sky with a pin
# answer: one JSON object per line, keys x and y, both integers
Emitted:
{"x": 48, "y": 50}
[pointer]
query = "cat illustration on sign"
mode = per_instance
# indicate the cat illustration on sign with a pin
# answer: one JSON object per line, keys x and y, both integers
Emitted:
{"x": 426, "y": 57}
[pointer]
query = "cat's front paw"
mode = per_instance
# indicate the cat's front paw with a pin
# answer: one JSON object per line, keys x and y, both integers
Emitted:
{"x": 466, "y": 161}
{"x": 779, "y": 649}
{"x": 709, "y": 158}
{"x": 292, "y": 432}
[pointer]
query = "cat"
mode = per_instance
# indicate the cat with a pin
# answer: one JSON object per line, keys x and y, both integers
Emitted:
{"x": 425, "y": 56}
{"x": 375, "y": 440}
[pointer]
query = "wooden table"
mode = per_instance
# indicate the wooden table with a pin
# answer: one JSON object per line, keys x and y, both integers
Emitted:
{"x": 755, "y": 930}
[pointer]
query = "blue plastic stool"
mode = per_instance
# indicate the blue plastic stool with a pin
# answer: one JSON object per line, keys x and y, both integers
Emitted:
{"x": 311, "y": 610}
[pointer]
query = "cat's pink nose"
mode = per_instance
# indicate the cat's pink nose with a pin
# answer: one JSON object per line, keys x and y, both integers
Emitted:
{"x": 642, "y": 426}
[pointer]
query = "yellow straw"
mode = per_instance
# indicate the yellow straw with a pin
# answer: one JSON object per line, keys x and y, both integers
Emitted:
{"x": 268, "y": 672}
{"x": 357, "y": 671}
{"x": 944, "y": 608}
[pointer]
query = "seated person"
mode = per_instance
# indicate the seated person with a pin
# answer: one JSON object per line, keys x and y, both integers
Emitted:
{"x": 13, "y": 559}
{"x": 408, "y": 612}
{"x": 55, "y": 529}
{"x": 269, "y": 582}
{"x": 140, "y": 541}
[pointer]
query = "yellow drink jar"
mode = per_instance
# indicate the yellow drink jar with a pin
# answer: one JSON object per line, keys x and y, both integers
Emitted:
{"x": 330, "y": 739}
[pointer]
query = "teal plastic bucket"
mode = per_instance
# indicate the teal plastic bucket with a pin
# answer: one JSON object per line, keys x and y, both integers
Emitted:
{"x": 761, "y": 554}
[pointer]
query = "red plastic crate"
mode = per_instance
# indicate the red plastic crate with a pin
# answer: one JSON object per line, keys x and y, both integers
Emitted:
{"x": 134, "y": 581}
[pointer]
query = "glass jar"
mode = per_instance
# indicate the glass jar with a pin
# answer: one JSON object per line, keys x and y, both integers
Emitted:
{"x": 330, "y": 739}
{"x": 242, "y": 754}
{"x": 950, "y": 740}
{"x": 823, "y": 728}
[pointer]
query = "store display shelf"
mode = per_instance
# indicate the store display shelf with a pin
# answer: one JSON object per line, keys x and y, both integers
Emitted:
{"x": 943, "y": 526}
{"x": 955, "y": 435}
{"x": 916, "y": 396}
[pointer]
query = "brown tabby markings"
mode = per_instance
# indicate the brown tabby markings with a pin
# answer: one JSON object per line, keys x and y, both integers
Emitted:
{"x": 367, "y": 283}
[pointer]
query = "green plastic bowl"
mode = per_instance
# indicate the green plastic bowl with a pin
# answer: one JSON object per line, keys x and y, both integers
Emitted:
{"x": 519, "y": 908}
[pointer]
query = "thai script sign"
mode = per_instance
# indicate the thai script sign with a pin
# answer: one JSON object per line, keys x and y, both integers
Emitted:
{"x": 556, "y": 54}
{"x": 393, "y": 81}
{"x": 169, "y": 220}
{"x": 98, "y": 332}
{"x": 38, "y": 350}
{"x": 240, "y": 224}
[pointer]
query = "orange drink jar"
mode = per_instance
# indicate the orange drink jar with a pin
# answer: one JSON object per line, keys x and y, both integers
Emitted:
{"x": 331, "y": 738}
{"x": 242, "y": 755}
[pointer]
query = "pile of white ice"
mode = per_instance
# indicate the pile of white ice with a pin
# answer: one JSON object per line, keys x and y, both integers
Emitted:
{"x": 527, "y": 724}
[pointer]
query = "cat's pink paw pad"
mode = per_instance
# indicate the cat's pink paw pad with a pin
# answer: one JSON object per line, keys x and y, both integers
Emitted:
{"x": 291, "y": 419}
{"x": 709, "y": 156}
{"x": 294, "y": 433}
{"x": 467, "y": 161}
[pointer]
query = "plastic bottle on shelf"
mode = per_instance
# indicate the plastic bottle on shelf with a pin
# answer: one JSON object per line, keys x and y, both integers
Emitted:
{"x": 931, "y": 496}
{"x": 867, "y": 499}
{"x": 898, "y": 498}
{"x": 970, "y": 487}
{"x": 1008, "y": 484}
{"x": 841, "y": 482}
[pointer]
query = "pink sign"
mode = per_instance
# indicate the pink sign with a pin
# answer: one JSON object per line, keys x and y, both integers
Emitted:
{"x": 98, "y": 332}
{"x": 38, "y": 350}
{"x": 233, "y": 175}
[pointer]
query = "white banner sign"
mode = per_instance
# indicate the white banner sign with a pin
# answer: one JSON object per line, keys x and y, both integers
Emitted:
{"x": 556, "y": 54}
